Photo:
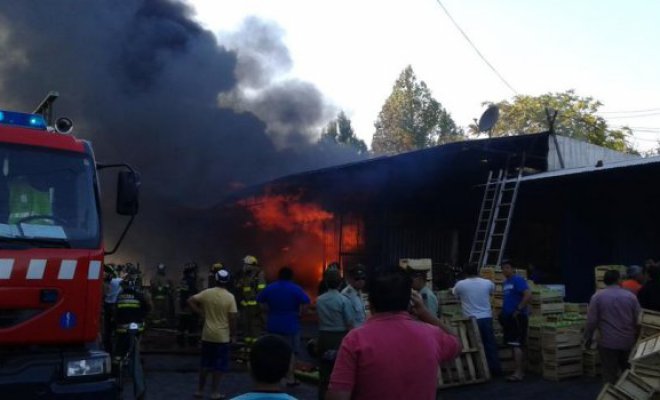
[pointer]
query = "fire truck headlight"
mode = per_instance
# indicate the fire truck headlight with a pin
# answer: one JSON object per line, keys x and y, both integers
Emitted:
{"x": 88, "y": 366}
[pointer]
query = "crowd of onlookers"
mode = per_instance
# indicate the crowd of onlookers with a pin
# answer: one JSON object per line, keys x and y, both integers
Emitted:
{"x": 395, "y": 353}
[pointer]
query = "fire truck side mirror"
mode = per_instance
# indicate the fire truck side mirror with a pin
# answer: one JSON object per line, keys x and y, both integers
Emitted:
{"x": 128, "y": 185}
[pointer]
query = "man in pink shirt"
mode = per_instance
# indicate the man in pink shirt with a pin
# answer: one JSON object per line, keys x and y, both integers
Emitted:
{"x": 393, "y": 355}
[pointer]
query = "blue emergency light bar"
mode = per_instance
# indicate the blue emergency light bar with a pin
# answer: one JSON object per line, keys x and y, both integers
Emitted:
{"x": 34, "y": 121}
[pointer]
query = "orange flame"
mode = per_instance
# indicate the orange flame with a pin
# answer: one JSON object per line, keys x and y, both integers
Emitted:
{"x": 309, "y": 233}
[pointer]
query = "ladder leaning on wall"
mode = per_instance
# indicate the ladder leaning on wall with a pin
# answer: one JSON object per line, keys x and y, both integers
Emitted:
{"x": 495, "y": 216}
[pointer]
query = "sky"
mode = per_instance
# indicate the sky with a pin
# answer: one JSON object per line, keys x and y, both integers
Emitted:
{"x": 353, "y": 52}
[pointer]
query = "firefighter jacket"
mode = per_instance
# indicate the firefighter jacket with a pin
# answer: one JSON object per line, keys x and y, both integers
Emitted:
{"x": 131, "y": 307}
{"x": 161, "y": 287}
{"x": 250, "y": 285}
{"x": 187, "y": 288}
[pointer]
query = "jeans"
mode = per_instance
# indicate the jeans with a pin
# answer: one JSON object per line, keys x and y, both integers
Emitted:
{"x": 613, "y": 363}
{"x": 490, "y": 345}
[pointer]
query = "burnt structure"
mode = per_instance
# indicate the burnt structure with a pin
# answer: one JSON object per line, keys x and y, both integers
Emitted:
{"x": 578, "y": 206}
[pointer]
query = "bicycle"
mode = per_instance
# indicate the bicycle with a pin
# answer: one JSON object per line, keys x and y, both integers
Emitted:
{"x": 131, "y": 363}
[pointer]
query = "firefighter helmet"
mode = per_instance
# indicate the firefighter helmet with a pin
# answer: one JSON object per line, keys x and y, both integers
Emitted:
{"x": 250, "y": 260}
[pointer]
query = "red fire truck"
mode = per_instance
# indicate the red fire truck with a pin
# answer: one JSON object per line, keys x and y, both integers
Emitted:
{"x": 51, "y": 259}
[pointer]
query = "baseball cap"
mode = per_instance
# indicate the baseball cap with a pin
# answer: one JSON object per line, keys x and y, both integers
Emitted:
{"x": 222, "y": 276}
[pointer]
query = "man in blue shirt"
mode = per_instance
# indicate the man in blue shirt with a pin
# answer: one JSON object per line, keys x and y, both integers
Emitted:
{"x": 336, "y": 318}
{"x": 284, "y": 301}
{"x": 513, "y": 318}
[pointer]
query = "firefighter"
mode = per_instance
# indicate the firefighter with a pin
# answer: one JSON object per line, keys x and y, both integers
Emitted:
{"x": 131, "y": 307}
{"x": 188, "y": 321}
{"x": 252, "y": 282}
{"x": 161, "y": 295}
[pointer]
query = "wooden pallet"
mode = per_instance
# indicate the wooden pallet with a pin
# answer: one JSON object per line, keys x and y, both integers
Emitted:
{"x": 470, "y": 366}
{"x": 633, "y": 385}
{"x": 647, "y": 352}
{"x": 611, "y": 392}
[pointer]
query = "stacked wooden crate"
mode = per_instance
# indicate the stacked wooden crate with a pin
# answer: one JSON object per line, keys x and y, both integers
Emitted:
{"x": 599, "y": 273}
{"x": 534, "y": 344}
{"x": 591, "y": 361}
{"x": 546, "y": 301}
{"x": 562, "y": 351}
{"x": 450, "y": 306}
{"x": 470, "y": 366}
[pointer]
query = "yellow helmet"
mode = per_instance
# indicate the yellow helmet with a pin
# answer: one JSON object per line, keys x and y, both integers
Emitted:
{"x": 216, "y": 267}
{"x": 250, "y": 260}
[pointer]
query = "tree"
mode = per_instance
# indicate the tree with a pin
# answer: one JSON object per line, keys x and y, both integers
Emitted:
{"x": 340, "y": 131}
{"x": 412, "y": 119}
{"x": 576, "y": 117}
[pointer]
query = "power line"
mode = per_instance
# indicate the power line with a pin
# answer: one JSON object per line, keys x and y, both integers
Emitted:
{"x": 476, "y": 49}
{"x": 651, "y": 114}
{"x": 629, "y": 112}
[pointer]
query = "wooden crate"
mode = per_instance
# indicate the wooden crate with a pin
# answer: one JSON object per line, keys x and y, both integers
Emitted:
{"x": 534, "y": 359}
{"x": 611, "y": 392}
{"x": 561, "y": 337}
{"x": 646, "y": 331}
{"x": 547, "y": 308}
{"x": 650, "y": 318}
{"x": 599, "y": 273}
{"x": 647, "y": 351}
{"x": 649, "y": 374}
{"x": 562, "y": 370}
{"x": 470, "y": 366}
{"x": 562, "y": 354}
{"x": 580, "y": 308}
{"x": 591, "y": 361}
{"x": 634, "y": 386}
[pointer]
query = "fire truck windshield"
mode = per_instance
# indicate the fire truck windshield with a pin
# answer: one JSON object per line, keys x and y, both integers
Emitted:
{"x": 47, "y": 199}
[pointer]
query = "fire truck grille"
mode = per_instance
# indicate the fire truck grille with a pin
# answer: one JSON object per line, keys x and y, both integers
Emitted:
{"x": 9, "y": 318}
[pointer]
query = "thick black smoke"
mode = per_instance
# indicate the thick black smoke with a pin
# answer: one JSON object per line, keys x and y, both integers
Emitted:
{"x": 149, "y": 86}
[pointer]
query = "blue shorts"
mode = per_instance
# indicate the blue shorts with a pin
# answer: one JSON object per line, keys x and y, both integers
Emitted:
{"x": 215, "y": 356}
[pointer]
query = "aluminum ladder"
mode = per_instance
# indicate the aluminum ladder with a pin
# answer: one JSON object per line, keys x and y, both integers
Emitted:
{"x": 495, "y": 217}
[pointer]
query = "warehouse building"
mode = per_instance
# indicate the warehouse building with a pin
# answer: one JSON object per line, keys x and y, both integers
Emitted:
{"x": 577, "y": 206}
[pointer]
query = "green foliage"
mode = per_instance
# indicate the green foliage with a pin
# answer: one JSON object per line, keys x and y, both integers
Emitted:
{"x": 576, "y": 117}
{"x": 339, "y": 130}
{"x": 412, "y": 119}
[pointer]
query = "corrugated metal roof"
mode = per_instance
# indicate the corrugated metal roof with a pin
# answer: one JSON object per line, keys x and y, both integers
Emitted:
{"x": 585, "y": 170}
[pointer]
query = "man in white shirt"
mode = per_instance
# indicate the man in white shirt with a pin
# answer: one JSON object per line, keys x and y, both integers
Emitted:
{"x": 474, "y": 293}
{"x": 356, "y": 278}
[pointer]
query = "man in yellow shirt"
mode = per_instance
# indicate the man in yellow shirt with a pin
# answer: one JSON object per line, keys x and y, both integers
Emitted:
{"x": 218, "y": 308}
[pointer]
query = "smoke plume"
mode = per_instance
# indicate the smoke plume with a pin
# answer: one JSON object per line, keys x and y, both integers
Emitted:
{"x": 149, "y": 86}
